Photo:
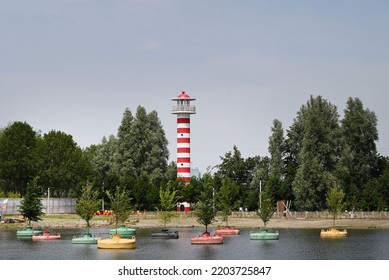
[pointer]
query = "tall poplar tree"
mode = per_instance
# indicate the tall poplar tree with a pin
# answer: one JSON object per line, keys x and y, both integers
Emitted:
{"x": 359, "y": 154}
{"x": 318, "y": 155}
{"x": 122, "y": 154}
{"x": 277, "y": 149}
{"x": 275, "y": 184}
{"x": 142, "y": 145}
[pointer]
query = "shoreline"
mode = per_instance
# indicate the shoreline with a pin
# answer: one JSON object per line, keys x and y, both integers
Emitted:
{"x": 53, "y": 222}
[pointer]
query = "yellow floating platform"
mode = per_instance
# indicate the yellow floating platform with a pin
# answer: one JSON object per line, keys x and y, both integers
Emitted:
{"x": 333, "y": 232}
{"x": 116, "y": 242}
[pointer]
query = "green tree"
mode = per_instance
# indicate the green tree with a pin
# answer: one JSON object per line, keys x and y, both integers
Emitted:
{"x": 276, "y": 184}
{"x": 334, "y": 201}
{"x": 383, "y": 185}
{"x": 120, "y": 204}
{"x": 87, "y": 204}
{"x": 359, "y": 157}
{"x": 266, "y": 208}
{"x": 142, "y": 145}
{"x": 228, "y": 198}
{"x": 62, "y": 166}
{"x": 233, "y": 167}
{"x": 241, "y": 171}
{"x": 103, "y": 158}
{"x": 318, "y": 153}
{"x": 277, "y": 150}
{"x": 31, "y": 206}
{"x": 205, "y": 208}
{"x": 168, "y": 200}
{"x": 17, "y": 157}
{"x": 123, "y": 146}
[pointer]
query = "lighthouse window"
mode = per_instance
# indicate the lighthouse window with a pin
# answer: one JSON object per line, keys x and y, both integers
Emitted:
{"x": 182, "y": 134}
{"x": 182, "y": 164}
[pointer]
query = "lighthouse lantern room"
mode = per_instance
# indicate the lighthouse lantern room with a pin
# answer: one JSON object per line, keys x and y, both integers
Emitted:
{"x": 183, "y": 109}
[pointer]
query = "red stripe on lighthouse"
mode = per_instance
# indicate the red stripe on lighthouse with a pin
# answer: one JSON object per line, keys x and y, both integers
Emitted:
{"x": 183, "y": 130}
{"x": 183, "y": 140}
{"x": 183, "y": 160}
{"x": 183, "y": 170}
{"x": 183, "y": 150}
{"x": 183, "y": 120}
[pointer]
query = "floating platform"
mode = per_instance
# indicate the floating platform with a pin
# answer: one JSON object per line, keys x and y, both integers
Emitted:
{"x": 333, "y": 233}
{"x": 227, "y": 231}
{"x": 116, "y": 242}
{"x": 264, "y": 234}
{"x": 207, "y": 238}
{"x": 124, "y": 231}
{"x": 86, "y": 238}
{"x": 165, "y": 234}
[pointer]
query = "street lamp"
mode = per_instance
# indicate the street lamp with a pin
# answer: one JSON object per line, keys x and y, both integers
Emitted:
{"x": 260, "y": 192}
{"x": 48, "y": 201}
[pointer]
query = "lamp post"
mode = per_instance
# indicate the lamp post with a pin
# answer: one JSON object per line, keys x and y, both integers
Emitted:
{"x": 260, "y": 193}
{"x": 102, "y": 199}
{"x": 48, "y": 201}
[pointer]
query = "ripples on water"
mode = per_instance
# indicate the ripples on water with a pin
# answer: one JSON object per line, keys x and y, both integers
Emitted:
{"x": 294, "y": 244}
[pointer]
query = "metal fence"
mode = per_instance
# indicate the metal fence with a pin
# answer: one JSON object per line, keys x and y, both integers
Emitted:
{"x": 68, "y": 206}
{"x": 318, "y": 215}
{"x": 51, "y": 205}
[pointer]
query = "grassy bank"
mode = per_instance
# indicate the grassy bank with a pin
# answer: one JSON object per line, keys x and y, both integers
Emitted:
{"x": 188, "y": 220}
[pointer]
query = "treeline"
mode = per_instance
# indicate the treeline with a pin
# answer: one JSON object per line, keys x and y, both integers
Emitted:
{"x": 319, "y": 150}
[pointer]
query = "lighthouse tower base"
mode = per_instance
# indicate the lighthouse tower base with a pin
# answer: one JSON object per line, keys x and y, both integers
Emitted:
{"x": 183, "y": 206}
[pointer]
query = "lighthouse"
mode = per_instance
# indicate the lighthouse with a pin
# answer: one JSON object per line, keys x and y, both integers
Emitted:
{"x": 183, "y": 109}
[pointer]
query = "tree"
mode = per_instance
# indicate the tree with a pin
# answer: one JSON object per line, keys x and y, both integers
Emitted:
{"x": 334, "y": 201}
{"x": 240, "y": 171}
{"x": 87, "y": 204}
{"x": 277, "y": 150}
{"x": 168, "y": 200}
{"x": 120, "y": 204}
{"x": 123, "y": 146}
{"x": 266, "y": 209}
{"x": 318, "y": 153}
{"x": 62, "y": 166}
{"x": 142, "y": 145}
{"x": 17, "y": 157}
{"x": 359, "y": 157}
{"x": 276, "y": 184}
{"x": 228, "y": 198}
{"x": 31, "y": 206}
{"x": 233, "y": 167}
{"x": 205, "y": 208}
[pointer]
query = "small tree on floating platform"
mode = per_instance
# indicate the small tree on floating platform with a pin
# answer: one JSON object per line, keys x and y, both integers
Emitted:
{"x": 228, "y": 198}
{"x": 31, "y": 206}
{"x": 120, "y": 205}
{"x": 205, "y": 208}
{"x": 335, "y": 196}
{"x": 266, "y": 208}
{"x": 168, "y": 200}
{"x": 87, "y": 204}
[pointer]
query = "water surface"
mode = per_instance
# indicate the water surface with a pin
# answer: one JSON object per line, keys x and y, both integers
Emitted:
{"x": 294, "y": 244}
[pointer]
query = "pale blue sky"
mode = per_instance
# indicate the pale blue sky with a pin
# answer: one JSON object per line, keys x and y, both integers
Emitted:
{"x": 75, "y": 65}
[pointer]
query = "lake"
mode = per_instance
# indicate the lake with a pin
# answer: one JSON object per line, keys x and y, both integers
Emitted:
{"x": 294, "y": 244}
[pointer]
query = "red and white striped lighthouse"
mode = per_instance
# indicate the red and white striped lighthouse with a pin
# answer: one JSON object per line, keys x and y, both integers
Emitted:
{"x": 183, "y": 110}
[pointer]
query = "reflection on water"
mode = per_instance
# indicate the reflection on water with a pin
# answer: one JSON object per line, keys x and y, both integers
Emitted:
{"x": 294, "y": 244}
